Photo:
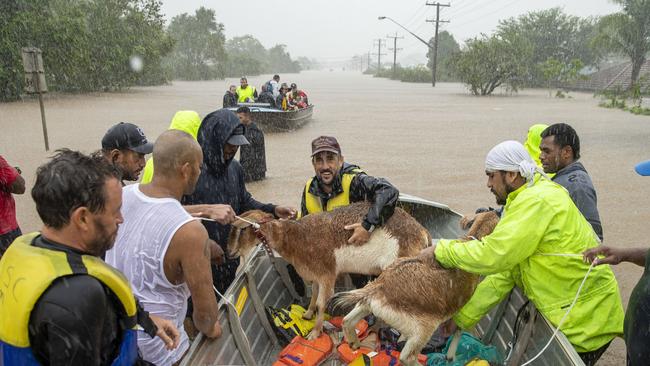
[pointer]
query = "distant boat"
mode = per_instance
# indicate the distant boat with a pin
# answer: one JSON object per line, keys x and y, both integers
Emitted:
{"x": 274, "y": 120}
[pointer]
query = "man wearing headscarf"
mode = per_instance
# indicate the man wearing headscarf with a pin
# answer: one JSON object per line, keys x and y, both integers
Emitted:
{"x": 536, "y": 246}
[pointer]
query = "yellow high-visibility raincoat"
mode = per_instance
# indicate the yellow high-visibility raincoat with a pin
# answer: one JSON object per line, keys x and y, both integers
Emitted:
{"x": 539, "y": 222}
{"x": 186, "y": 121}
{"x": 533, "y": 140}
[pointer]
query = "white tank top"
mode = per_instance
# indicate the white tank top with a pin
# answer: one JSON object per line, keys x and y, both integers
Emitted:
{"x": 139, "y": 250}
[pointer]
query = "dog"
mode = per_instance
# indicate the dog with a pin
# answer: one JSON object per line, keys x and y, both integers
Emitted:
{"x": 317, "y": 246}
{"x": 415, "y": 296}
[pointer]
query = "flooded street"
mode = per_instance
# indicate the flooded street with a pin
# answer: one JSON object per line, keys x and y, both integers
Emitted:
{"x": 429, "y": 142}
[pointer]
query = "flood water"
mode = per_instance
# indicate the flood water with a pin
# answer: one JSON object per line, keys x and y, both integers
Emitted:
{"x": 429, "y": 142}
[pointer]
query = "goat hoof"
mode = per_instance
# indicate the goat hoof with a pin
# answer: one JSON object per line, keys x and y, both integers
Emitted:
{"x": 355, "y": 345}
{"x": 313, "y": 335}
{"x": 308, "y": 315}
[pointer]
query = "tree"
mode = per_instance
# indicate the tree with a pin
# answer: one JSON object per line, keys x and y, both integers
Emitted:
{"x": 199, "y": 52}
{"x": 280, "y": 60}
{"x": 447, "y": 47}
{"x": 552, "y": 34}
{"x": 627, "y": 32}
{"x": 489, "y": 62}
{"x": 86, "y": 44}
{"x": 558, "y": 73}
{"x": 246, "y": 56}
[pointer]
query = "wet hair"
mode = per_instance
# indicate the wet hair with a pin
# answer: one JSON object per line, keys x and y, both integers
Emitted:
{"x": 276, "y": 77}
{"x": 243, "y": 109}
{"x": 565, "y": 135}
{"x": 68, "y": 181}
{"x": 243, "y": 78}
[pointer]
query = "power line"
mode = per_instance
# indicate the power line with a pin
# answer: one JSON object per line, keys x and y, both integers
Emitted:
{"x": 395, "y": 49}
{"x": 435, "y": 39}
{"x": 379, "y": 42}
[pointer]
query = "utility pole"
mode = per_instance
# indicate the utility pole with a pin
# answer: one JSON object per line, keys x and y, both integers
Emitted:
{"x": 435, "y": 39}
{"x": 394, "y": 49}
{"x": 378, "y": 43}
{"x": 368, "y": 67}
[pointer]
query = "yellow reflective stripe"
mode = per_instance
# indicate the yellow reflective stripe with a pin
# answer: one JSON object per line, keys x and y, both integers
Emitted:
{"x": 20, "y": 270}
{"x": 114, "y": 279}
{"x": 241, "y": 300}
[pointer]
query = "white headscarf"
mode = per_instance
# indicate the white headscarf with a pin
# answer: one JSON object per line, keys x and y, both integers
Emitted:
{"x": 511, "y": 156}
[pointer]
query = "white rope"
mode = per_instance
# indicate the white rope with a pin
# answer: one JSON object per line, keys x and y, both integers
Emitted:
{"x": 255, "y": 225}
{"x": 575, "y": 299}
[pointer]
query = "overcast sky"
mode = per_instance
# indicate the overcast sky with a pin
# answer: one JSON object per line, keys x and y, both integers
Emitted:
{"x": 333, "y": 30}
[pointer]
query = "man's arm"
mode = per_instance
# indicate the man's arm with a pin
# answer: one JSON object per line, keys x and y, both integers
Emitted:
{"x": 514, "y": 239}
{"x": 10, "y": 179}
{"x": 67, "y": 323}
{"x": 223, "y": 214}
{"x": 190, "y": 247}
{"x": 380, "y": 193}
{"x": 492, "y": 290}
{"x": 615, "y": 256}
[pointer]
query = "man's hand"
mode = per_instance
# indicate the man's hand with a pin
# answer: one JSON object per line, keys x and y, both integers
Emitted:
{"x": 360, "y": 235}
{"x": 285, "y": 212}
{"x": 223, "y": 214}
{"x": 167, "y": 332}
{"x": 614, "y": 256}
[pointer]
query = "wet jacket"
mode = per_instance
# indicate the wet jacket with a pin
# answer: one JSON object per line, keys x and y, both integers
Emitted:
{"x": 637, "y": 320}
{"x": 363, "y": 187}
{"x": 533, "y": 140}
{"x": 67, "y": 308}
{"x": 221, "y": 182}
{"x": 539, "y": 222}
{"x": 253, "y": 157}
{"x": 576, "y": 180}
{"x": 229, "y": 100}
{"x": 244, "y": 94}
{"x": 266, "y": 97}
{"x": 186, "y": 121}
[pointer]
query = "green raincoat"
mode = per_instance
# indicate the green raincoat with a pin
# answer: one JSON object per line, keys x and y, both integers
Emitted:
{"x": 186, "y": 121}
{"x": 539, "y": 222}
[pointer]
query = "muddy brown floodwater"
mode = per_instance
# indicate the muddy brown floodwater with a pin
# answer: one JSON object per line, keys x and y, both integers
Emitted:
{"x": 429, "y": 142}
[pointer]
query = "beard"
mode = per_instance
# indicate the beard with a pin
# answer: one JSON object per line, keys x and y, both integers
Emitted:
{"x": 104, "y": 239}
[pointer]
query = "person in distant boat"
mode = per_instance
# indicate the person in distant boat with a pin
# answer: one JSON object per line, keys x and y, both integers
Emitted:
{"x": 230, "y": 98}
{"x": 281, "y": 99}
{"x": 245, "y": 93}
{"x": 297, "y": 99}
{"x": 266, "y": 97}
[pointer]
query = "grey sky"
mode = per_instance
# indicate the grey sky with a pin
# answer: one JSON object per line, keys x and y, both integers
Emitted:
{"x": 335, "y": 30}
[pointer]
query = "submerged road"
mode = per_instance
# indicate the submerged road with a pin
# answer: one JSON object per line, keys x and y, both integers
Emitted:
{"x": 429, "y": 142}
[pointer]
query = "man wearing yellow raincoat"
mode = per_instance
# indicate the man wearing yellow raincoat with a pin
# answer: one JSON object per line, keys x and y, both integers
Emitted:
{"x": 536, "y": 246}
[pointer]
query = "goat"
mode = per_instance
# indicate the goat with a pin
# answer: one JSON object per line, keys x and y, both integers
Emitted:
{"x": 415, "y": 296}
{"x": 317, "y": 246}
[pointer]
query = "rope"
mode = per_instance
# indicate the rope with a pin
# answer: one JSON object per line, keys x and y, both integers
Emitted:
{"x": 575, "y": 299}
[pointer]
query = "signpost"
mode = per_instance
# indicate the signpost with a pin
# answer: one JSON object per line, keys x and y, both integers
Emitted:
{"x": 35, "y": 81}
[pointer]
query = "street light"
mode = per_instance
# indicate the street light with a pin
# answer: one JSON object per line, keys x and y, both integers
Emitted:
{"x": 416, "y": 36}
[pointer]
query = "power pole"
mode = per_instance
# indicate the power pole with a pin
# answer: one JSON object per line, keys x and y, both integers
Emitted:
{"x": 378, "y": 43}
{"x": 394, "y": 49}
{"x": 435, "y": 39}
{"x": 368, "y": 67}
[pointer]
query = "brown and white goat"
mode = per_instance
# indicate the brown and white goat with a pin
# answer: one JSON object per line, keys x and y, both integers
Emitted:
{"x": 317, "y": 246}
{"x": 414, "y": 296}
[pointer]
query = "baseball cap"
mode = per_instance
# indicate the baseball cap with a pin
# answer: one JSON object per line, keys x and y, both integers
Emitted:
{"x": 126, "y": 136}
{"x": 643, "y": 168}
{"x": 293, "y": 86}
{"x": 325, "y": 143}
{"x": 237, "y": 137}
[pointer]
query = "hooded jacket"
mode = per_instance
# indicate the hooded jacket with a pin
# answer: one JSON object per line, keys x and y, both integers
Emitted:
{"x": 576, "y": 180}
{"x": 528, "y": 248}
{"x": 221, "y": 181}
{"x": 186, "y": 121}
{"x": 533, "y": 140}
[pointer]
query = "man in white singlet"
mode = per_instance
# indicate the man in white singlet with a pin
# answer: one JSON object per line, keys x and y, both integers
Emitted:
{"x": 165, "y": 252}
